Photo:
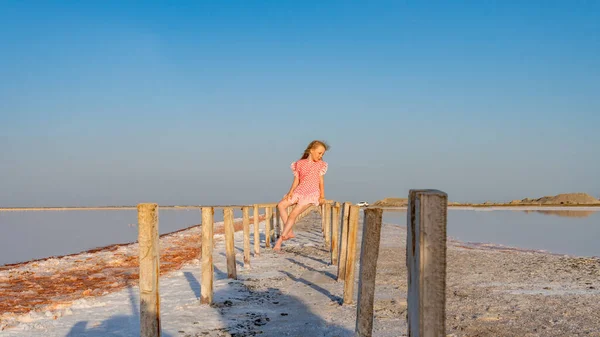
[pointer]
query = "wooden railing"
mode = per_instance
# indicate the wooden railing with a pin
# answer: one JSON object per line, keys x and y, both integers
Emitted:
{"x": 149, "y": 252}
{"x": 425, "y": 256}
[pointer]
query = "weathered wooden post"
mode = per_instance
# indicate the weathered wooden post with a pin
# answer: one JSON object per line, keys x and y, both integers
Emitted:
{"x": 323, "y": 219}
{"x": 368, "y": 270}
{"x": 426, "y": 262}
{"x": 335, "y": 232}
{"x": 149, "y": 270}
{"x": 268, "y": 213}
{"x": 273, "y": 223}
{"x": 229, "y": 242}
{"x": 256, "y": 231}
{"x": 206, "y": 288}
{"x": 246, "y": 225}
{"x": 344, "y": 244}
{"x": 278, "y": 229}
{"x": 328, "y": 227}
{"x": 351, "y": 257}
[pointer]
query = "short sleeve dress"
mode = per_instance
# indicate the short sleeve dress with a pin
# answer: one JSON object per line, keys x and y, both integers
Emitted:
{"x": 308, "y": 172}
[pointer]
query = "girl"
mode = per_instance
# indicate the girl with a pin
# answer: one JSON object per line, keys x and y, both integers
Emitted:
{"x": 307, "y": 189}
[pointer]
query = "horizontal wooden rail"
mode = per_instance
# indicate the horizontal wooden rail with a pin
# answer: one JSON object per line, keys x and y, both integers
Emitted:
{"x": 273, "y": 204}
{"x": 123, "y": 208}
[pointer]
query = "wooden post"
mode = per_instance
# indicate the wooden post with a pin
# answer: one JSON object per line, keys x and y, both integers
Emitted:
{"x": 268, "y": 212}
{"x": 323, "y": 219}
{"x": 273, "y": 225}
{"x": 278, "y": 229}
{"x": 368, "y": 270}
{"x": 256, "y": 232}
{"x": 351, "y": 257}
{"x": 206, "y": 288}
{"x": 229, "y": 242}
{"x": 426, "y": 262}
{"x": 328, "y": 227}
{"x": 344, "y": 244}
{"x": 149, "y": 270}
{"x": 282, "y": 225}
{"x": 335, "y": 233}
{"x": 246, "y": 224}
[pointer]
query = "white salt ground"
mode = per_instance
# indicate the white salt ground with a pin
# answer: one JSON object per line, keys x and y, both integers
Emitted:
{"x": 281, "y": 294}
{"x": 491, "y": 291}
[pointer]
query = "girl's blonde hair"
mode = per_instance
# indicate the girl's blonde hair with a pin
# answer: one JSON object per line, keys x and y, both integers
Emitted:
{"x": 312, "y": 145}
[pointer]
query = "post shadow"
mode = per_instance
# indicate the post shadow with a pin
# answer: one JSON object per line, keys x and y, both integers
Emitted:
{"x": 326, "y": 273}
{"x": 269, "y": 313}
{"x": 194, "y": 284}
{"x": 311, "y": 257}
{"x": 115, "y": 326}
{"x": 323, "y": 291}
{"x": 237, "y": 261}
{"x": 219, "y": 274}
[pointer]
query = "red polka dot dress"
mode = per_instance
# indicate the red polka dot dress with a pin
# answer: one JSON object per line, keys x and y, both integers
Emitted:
{"x": 309, "y": 173}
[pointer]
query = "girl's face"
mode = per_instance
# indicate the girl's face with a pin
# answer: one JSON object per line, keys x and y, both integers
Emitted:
{"x": 317, "y": 152}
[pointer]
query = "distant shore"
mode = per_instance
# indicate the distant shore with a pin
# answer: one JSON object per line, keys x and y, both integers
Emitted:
{"x": 521, "y": 206}
{"x": 505, "y": 207}
{"x": 454, "y": 205}
{"x": 558, "y": 201}
{"x": 104, "y": 208}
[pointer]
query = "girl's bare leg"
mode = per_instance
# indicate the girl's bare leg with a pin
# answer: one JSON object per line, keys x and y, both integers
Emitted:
{"x": 291, "y": 220}
{"x": 282, "y": 206}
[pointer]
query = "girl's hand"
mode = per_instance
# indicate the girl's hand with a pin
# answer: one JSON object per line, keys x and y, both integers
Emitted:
{"x": 321, "y": 201}
{"x": 288, "y": 196}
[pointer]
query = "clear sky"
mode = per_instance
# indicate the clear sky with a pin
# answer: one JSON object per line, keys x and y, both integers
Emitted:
{"x": 121, "y": 102}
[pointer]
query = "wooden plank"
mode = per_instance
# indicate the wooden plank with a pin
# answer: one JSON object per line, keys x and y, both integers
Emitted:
{"x": 426, "y": 262}
{"x": 351, "y": 257}
{"x": 230, "y": 243}
{"x": 256, "y": 231}
{"x": 368, "y": 270}
{"x": 149, "y": 261}
{"x": 344, "y": 242}
{"x": 246, "y": 225}
{"x": 206, "y": 288}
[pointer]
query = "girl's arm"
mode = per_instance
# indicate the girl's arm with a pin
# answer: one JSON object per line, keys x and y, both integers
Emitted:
{"x": 294, "y": 185}
{"x": 322, "y": 190}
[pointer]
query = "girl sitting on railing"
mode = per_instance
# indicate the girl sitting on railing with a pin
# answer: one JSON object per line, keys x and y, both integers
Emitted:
{"x": 307, "y": 189}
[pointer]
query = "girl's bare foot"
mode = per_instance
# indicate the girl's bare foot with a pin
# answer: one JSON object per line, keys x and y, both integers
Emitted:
{"x": 277, "y": 246}
{"x": 290, "y": 235}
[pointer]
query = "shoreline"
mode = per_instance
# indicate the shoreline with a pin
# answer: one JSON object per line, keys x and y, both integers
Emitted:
{"x": 450, "y": 205}
{"x": 501, "y": 207}
{"x": 108, "y": 208}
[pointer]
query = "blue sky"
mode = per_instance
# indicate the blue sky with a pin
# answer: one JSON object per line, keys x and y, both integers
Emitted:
{"x": 118, "y": 102}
